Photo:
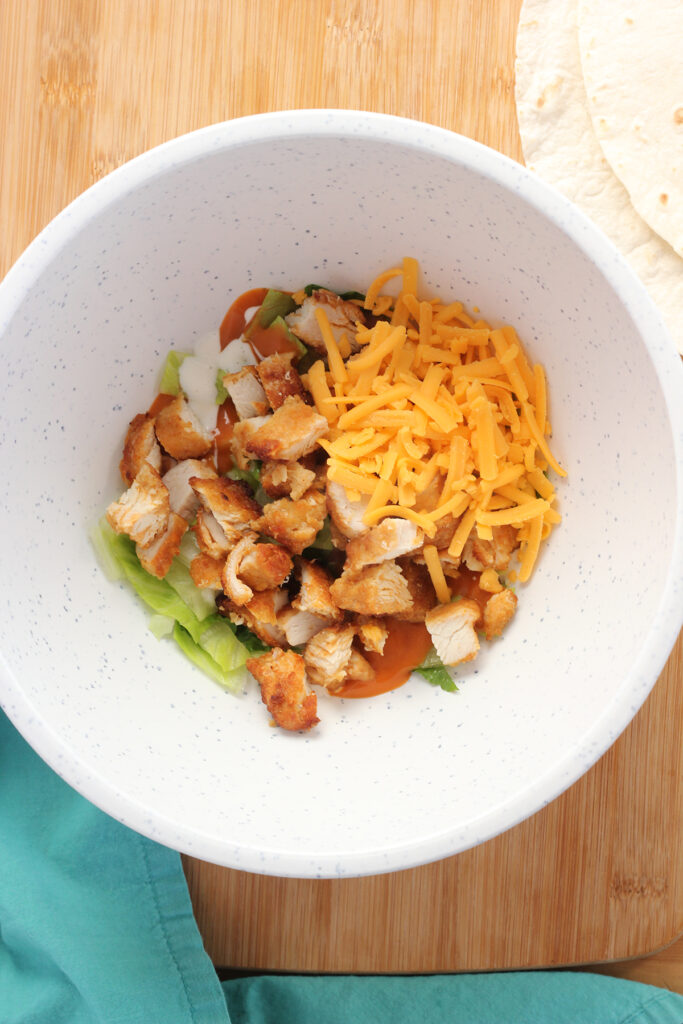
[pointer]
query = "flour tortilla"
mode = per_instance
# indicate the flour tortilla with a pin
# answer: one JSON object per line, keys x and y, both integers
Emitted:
{"x": 632, "y": 59}
{"x": 560, "y": 145}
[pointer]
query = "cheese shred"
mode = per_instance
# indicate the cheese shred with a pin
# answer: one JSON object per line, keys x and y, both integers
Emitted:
{"x": 436, "y": 402}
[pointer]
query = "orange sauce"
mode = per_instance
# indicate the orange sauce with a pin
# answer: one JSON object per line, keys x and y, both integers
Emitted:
{"x": 227, "y": 416}
{"x": 407, "y": 645}
{"x": 159, "y": 403}
{"x": 234, "y": 321}
{"x": 466, "y": 584}
{"x": 266, "y": 341}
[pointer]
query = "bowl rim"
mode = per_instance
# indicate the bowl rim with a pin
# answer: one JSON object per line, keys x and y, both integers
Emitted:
{"x": 550, "y": 203}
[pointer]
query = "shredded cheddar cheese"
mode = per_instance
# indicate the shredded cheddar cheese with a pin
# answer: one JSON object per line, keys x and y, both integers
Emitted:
{"x": 434, "y": 403}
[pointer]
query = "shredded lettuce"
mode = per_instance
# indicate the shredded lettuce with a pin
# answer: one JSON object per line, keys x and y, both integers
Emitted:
{"x": 434, "y": 671}
{"x": 221, "y": 391}
{"x": 208, "y": 639}
{"x": 158, "y": 594}
{"x": 280, "y": 325}
{"x": 251, "y": 476}
{"x": 170, "y": 375}
{"x": 274, "y": 306}
{"x": 160, "y": 625}
{"x": 232, "y": 679}
{"x": 201, "y": 602}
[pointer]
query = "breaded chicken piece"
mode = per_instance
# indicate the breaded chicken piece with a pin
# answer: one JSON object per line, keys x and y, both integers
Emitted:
{"x": 346, "y": 515}
{"x": 391, "y": 538}
{"x": 294, "y": 524}
{"x": 229, "y": 501}
{"x": 342, "y": 315}
{"x": 156, "y": 557}
{"x": 242, "y": 432}
{"x": 143, "y": 510}
{"x": 358, "y": 668}
{"x": 139, "y": 446}
{"x": 279, "y": 379}
{"x": 265, "y": 566}
{"x": 372, "y": 634}
{"x": 314, "y": 595}
{"x": 300, "y": 626}
{"x": 378, "y": 590}
{"x": 421, "y": 591}
{"x": 292, "y": 431}
{"x": 327, "y": 654}
{"x": 284, "y": 690}
{"x": 260, "y": 615}
{"x": 207, "y": 571}
{"x": 286, "y": 479}
{"x": 235, "y": 588}
{"x": 452, "y": 629}
{"x": 247, "y": 394}
{"x": 211, "y": 536}
{"x": 498, "y": 611}
{"x": 445, "y": 528}
{"x": 183, "y": 499}
{"x": 180, "y": 432}
{"x": 490, "y": 554}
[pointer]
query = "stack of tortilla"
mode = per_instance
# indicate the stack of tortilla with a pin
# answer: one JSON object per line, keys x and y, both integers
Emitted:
{"x": 599, "y": 88}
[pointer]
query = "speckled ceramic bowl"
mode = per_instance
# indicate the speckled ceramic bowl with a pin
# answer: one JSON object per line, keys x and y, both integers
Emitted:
{"x": 150, "y": 258}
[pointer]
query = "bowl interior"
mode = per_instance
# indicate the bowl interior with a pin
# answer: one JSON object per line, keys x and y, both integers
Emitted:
{"x": 153, "y": 263}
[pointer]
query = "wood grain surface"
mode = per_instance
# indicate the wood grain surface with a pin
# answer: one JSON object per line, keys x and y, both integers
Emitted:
{"x": 88, "y": 84}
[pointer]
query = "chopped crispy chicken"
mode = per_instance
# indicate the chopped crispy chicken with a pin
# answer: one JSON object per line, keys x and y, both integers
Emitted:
{"x": 260, "y": 615}
{"x": 498, "y": 611}
{"x": 300, "y": 626}
{"x": 156, "y": 557}
{"x": 265, "y": 566}
{"x": 452, "y": 629}
{"x": 183, "y": 499}
{"x": 279, "y": 379}
{"x": 327, "y": 654}
{"x": 372, "y": 634}
{"x": 490, "y": 554}
{"x": 342, "y": 316}
{"x": 445, "y": 528}
{"x": 292, "y": 431}
{"x": 286, "y": 479}
{"x": 140, "y": 446}
{"x": 211, "y": 536}
{"x": 229, "y": 501}
{"x": 378, "y": 590}
{"x": 314, "y": 595}
{"x": 359, "y": 668}
{"x": 420, "y": 589}
{"x": 180, "y": 432}
{"x": 389, "y": 539}
{"x": 247, "y": 394}
{"x": 242, "y": 432}
{"x": 284, "y": 690}
{"x": 346, "y": 515}
{"x": 142, "y": 511}
{"x": 207, "y": 571}
{"x": 236, "y": 589}
{"x": 294, "y": 524}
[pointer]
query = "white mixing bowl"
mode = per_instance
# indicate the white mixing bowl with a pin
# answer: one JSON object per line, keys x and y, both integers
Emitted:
{"x": 149, "y": 259}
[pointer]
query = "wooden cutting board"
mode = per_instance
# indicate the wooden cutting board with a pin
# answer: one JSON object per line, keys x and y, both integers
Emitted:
{"x": 85, "y": 86}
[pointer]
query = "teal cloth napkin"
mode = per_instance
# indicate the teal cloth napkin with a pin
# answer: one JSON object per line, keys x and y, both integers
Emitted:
{"x": 96, "y": 927}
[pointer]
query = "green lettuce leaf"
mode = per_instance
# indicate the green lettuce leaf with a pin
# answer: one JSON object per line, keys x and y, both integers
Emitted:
{"x": 170, "y": 375}
{"x": 434, "y": 671}
{"x": 221, "y": 391}
{"x": 201, "y": 602}
{"x": 232, "y": 679}
{"x": 158, "y": 594}
{"x": 274, "y": 306}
